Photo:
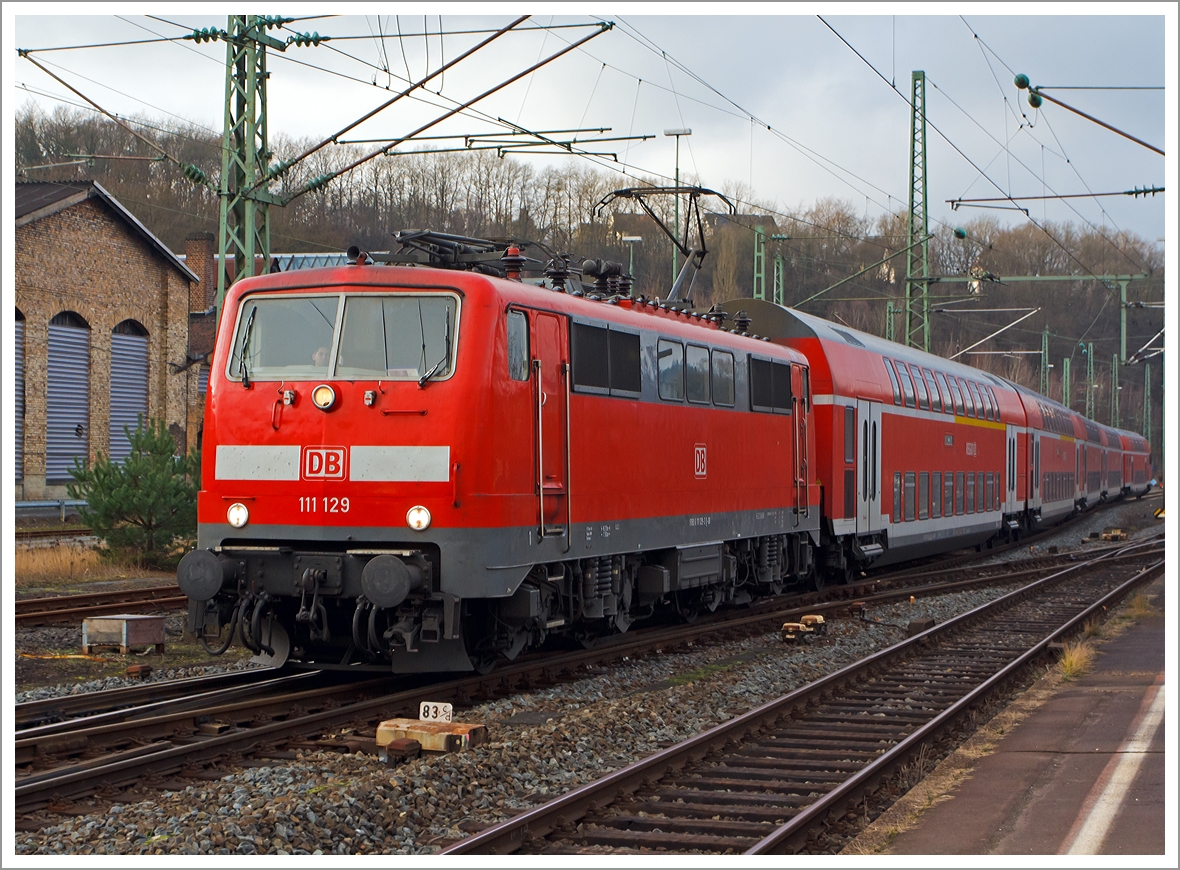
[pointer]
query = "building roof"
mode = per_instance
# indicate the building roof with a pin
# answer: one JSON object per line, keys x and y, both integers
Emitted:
{"x": 40, "y": 199}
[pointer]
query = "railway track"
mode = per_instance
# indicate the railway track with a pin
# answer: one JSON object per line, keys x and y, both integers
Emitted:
{"x": 24, "y": 535}
{"x": 119, "y": 748}
{"x": 62, "y": 608}
{"x": 763, "y": 782}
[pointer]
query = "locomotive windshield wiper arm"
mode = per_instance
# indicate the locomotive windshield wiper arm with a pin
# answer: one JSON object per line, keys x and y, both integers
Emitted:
{"x": 446, "y": 355}
{"x": 242, "y": 371}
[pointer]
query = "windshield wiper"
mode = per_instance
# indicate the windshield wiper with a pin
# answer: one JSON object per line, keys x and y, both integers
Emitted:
{"x": 445, "y": 357}
{"x": 249, "y": 332}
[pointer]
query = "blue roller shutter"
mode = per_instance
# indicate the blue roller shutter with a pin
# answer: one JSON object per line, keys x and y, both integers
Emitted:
{"x": 67, "y": 407}
{"x": 129, "y": 382}
{"x": 19, "y": 386}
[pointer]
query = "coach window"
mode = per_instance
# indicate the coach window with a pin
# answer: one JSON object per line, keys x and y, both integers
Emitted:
{"x": 988, "y": 409}
{"x": 957, "y": 395}
{"x": 909, "y": 495}
{"x": 518, "y": 346}
{"x": 968, "y": 400}
{"x": 945, "y": 393}
{"x": 893, "y": 380}
{"x": 936, "y": 495}
{"x": 932, "y": 388}
{"x": 923, "y": 495}
{"x": 959, "y": 493}
{"x": 923, "y": 399}
{"x": 995, "y": 403}
{"x": 907, "y": 386}
{"x": 671, "y": 366}
{"x": 897, "y": 496}
{"x": 970, "y": 493}
{"x": 979, "y": 492}
{"x": 971, "y": 385}
{"x": 948, "y": 493}
{"x": 723, "y": 378}
{"x": 991, "y": 483}
{"x": 696, "y": 369}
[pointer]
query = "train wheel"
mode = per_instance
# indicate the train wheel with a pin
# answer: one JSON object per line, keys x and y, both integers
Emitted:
{"x": 274, "y": 636}
{"x": 484, "y": 664}
{"x": 688, "y": 607}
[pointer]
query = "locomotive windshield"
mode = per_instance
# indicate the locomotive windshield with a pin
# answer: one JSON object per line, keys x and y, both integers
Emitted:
{"x": 350, "y": 336}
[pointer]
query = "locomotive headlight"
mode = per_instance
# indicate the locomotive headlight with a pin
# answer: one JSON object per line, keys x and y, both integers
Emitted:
{"x": 237, "y": 515}
{"x": 324, "y": 397}
{"x": 418, "y": 518}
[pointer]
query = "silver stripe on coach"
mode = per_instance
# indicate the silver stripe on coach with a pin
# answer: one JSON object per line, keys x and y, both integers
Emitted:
{"x": 419, "y": 464}
{"x": 257, "y": 462}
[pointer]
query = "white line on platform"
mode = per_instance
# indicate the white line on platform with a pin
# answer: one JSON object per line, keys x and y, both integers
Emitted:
{"x": 1108, "y": 793}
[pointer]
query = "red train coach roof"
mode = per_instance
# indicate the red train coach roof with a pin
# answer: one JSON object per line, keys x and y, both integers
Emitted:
{"x": 850, "y": 356}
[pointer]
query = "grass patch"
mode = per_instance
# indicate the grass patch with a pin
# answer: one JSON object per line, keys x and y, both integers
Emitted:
{"x": 1076, "y": 659}
{"x": 1139, "y": 606}
{"x": 70, "y": 563}
{"x": 701, "y": 673}
{"x": 1093, "y": 628}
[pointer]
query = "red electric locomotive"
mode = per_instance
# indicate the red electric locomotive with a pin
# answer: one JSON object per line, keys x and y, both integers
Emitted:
{"x": 424, "y": 469}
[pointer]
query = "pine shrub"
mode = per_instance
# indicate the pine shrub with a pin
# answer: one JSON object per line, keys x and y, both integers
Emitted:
{"x": 145, "y": 507}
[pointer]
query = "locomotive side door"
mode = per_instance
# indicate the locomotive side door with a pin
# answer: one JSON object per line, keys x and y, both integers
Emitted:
{"x": 551, "y": 386}
{"x": 868, "y": 472}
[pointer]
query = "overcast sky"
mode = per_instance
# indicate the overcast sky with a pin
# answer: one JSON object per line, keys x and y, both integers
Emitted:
{"x": 837, "y": 128}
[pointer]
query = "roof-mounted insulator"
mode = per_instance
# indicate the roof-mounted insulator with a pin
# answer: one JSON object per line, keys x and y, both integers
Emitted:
{"x": 558, "y": 272}
{"x": 625, "y": 283}
{"x": 513, "y": 263}
{"x": 601, "y": 271}
{"x": 742, "y": 323}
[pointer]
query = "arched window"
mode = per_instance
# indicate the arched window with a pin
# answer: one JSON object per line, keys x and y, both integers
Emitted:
{"x": 67, "y": 396}
{"x": 72, "y": 319}
{"x": 130, "y": 327}
{"x": 19, "y": 383}
{"x": 129, "y": 383}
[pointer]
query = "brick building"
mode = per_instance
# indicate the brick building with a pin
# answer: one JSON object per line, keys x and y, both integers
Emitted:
{"x": 102, "y": 332}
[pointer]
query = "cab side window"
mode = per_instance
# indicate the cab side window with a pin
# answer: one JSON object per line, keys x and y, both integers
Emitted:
{"x": 697, "y": 369}
{"x": 671, "y": 368}
{"x": 723, "y": 378}
{"x": 518, "y": 346}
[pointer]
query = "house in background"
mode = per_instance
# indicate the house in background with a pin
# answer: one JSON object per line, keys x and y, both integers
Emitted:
{"x": 102, "y": 333}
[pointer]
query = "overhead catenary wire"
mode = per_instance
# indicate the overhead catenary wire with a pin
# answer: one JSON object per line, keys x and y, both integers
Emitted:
{"x": 1025, "y": 124}
{"x": 1088, "y": 271}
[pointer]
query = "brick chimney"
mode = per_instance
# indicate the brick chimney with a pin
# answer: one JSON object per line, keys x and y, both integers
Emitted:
{"x": 199, "y": 256}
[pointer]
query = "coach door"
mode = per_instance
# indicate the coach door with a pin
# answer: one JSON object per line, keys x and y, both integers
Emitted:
{"x": 551, "y": 387}
{"x": 1010, "y": 472}
{"x": 868, "y": 472}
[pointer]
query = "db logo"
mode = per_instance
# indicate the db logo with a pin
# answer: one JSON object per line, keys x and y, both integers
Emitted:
{"x": 699, "y": 466}
{"x": 324, "y": 463}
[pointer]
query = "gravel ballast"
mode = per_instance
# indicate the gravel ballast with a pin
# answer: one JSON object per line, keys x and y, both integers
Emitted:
{"x": 328, "y": 803}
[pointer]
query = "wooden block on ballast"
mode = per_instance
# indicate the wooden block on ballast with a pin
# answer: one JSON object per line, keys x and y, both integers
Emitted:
{"x": 432, "y": 736}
